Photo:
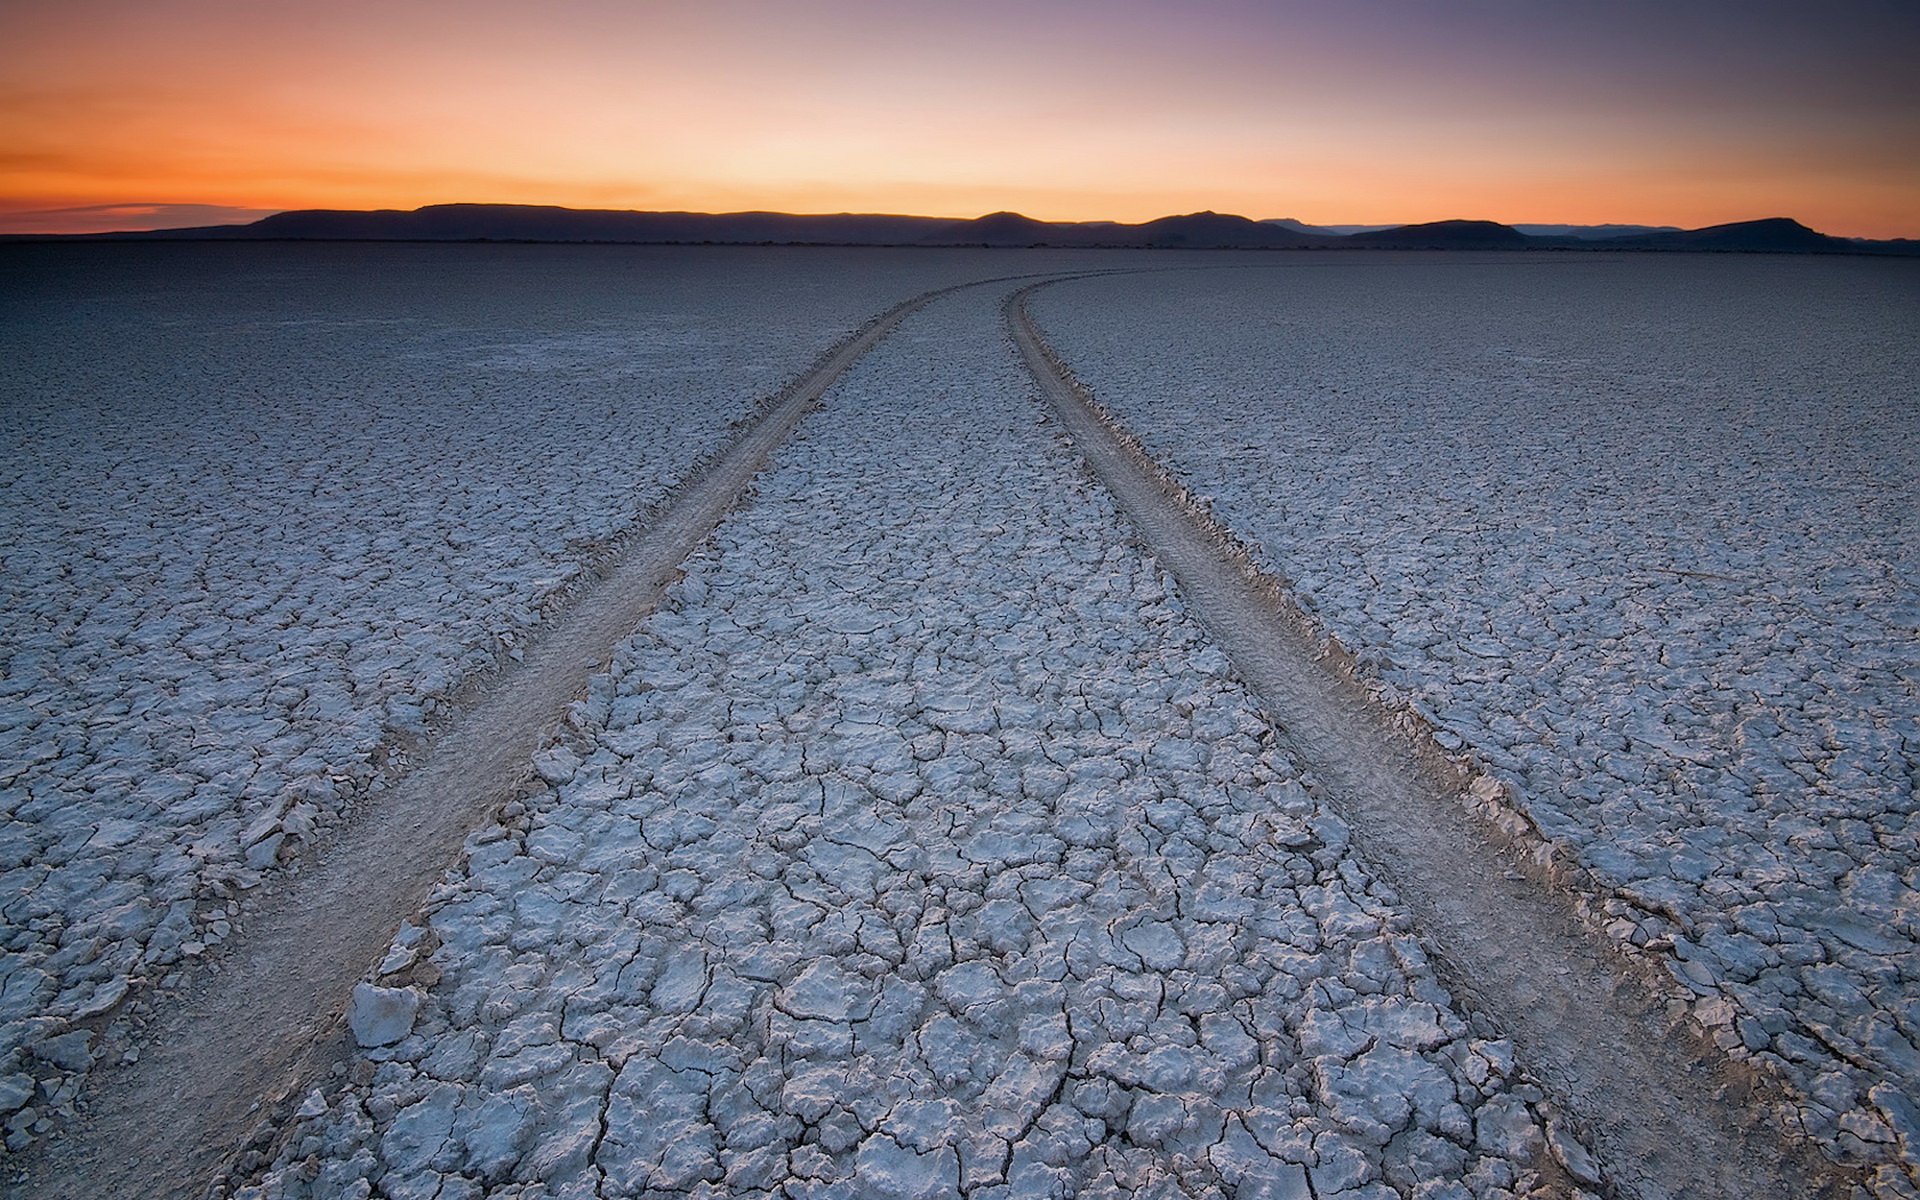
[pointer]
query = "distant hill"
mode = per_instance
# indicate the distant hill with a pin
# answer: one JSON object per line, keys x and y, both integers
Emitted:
{"x": 1445, "y": 235}
{"x": 1775, "y": 235}
{"x": 1588, "y": 233}
{"x": 544, "y": 223}
{"x": 1212, "y": 229}
{"x": 539, "y": 223}
{"x": 1204, "y": 230}
{"x": 1593, "y": 233}
{"x": 1332, "y": 230}
{"x": 994, "y": 229}
{"x": 1013, "y": 229}
{"x": 1193, "y": 231}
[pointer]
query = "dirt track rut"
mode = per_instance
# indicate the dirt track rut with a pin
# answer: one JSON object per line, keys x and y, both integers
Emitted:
{"x": 1669, "y": 1115}
{"x": 269, "y": 1014}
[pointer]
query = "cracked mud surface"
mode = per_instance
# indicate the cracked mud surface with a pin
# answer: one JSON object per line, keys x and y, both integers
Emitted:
{"x": 1668, "y": 1114}
{"x": 920, "y": 846}
{"x": 923, "y": 845}
{"x": 267, "y": 509}
{"x": 1636, "y": 536}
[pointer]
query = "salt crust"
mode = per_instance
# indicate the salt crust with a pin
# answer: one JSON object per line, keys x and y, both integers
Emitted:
{"x": 921, "y": 846}
{"x": 1636, "y": 537}
{"x": 266, "y": 508}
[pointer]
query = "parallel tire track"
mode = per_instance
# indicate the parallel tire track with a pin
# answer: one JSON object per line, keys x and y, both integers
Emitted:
{"x": 254, "y": 1028}
{"x": 1668, "y": 1114}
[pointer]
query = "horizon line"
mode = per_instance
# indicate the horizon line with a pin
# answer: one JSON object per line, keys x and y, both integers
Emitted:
{"x": 209, "y": 218}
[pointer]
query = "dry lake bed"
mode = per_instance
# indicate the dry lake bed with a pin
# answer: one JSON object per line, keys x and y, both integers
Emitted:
{"x": 1294, "y": 724}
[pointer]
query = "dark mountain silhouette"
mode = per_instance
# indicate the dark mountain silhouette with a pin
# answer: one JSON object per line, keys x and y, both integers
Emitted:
{"x": 1205, "y": 230}
{"x": 539, "y": 223}
{"x": 1195, "y": 231}
{"x": 1001, "y": 229}
{"x": 543, "y": 223}
{"x": 1212, "y": 229}
{"x": 1778, "y": 235}
{"x": 1585, "y": 233}
{"x": 1445, "y": 235}
{"x": 1593, "y": 233}
{"x": 1334, "y": 230}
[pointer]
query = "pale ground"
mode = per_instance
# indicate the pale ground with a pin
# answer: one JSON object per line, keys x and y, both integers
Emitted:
{"x": 921, "y": 847}
{"x": 1638, "y": 534}
{"x": 267, "y": 507}
{"x": 1558, "y": 579}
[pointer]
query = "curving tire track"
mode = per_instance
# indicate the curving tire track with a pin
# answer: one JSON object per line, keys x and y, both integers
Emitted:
{"x": 249, "y": 1030}
{"x": 1668, "y": 1113}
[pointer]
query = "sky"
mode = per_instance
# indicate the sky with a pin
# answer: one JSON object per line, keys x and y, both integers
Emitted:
{"x": 120, "y": 115}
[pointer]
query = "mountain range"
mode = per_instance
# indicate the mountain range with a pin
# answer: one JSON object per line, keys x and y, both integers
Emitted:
{"x": 1202, "y": 230}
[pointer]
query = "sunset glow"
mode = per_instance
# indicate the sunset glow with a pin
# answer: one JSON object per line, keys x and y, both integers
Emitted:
{"x": 122, "y": 115}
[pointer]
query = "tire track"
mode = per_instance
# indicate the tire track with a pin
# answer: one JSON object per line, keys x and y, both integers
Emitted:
{"x": 936, "y": 833}
{"x": 1669, "y": 1114}
{"x": 250, "y": 1028}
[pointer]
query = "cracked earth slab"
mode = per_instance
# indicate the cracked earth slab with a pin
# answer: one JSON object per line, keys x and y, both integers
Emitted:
{"x": 273, "y": 512}
{"x": 920, "y": 845}
{"x": 1635, "y": 537}
{"x": 269, "y": 1012}
{"x": 1668, "y": 1114}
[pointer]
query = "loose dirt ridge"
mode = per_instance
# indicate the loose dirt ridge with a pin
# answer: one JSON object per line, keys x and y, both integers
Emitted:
{"x": 269, "y": 1016}
{"x": 1667, "y": 1113}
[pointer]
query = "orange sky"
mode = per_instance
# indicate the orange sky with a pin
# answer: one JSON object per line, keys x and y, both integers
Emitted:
{"x": 121, "y": 115}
